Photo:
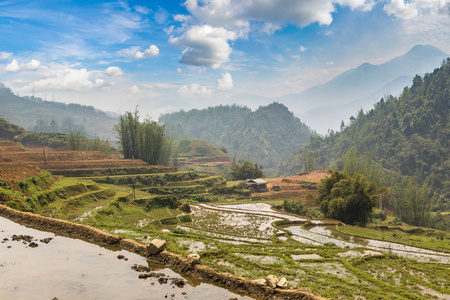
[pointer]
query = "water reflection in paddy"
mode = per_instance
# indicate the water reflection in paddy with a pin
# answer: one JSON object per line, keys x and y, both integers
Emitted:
{"x": 257, "y": 209}
{"x": 328, "y": 234}
{"x": 72, "y": 269}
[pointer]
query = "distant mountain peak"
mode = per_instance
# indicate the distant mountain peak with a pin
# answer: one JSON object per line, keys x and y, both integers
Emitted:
{"x": 425, "y": 50}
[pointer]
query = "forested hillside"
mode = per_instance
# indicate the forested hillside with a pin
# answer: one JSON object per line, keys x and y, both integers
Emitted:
{"x": 408, "y": 136}
{"x": 37, "y": 115}
{"x": 266, "y": 136}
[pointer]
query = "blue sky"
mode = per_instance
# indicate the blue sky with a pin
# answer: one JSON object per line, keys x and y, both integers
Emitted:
{"x": 168, "y": 55}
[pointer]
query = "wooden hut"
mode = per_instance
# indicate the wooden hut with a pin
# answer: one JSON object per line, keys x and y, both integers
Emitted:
{"x": 257, "y": 185}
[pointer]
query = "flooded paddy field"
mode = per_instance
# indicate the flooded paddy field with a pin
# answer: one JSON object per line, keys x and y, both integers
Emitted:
{"x": 41, "y": 263}
{"x": 319, "y": 257}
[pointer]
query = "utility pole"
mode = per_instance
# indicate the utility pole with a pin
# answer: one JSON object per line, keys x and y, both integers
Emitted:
{"x": 45, "y": 160}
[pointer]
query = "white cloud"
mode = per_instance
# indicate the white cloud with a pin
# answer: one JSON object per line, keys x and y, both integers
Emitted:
{"x": 5, "y": 55}
{"x": 12, "y": 66}
{"x": 32, "y": 65}
{"x": 142, "y": 9}
{"x": 205, "y": 46}
{"x": 270, "y": 28}
{"x": 225, "y": 82}
{"x": 401, "y": 9}
{"x": 302, "y": 49}
{"x": 161, "y": 16}
{"x": 149, "y": 52}
{"x": 416, "y": 8}
{"x": 213, "y": 23}
{"x": 135, "y": 89}
{"x": 179, "y": 70}
{"x": 194, "y": 90}
{"x": 237, "y": 13}
{"x": 70, "y": 79}
{"x": 102, "y": 62}
{"x": 364, "y": 5}
{"x": 113, "y": 71}
{"x": 329, "y": 63}
{"x": 129, "y": 52}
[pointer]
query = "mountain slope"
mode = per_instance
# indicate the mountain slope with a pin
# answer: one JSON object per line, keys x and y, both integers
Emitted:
{"x": 27, "y": 113}
{"x": 409, "y": 135}
{"x": 267, "y": 136}
{"x": 323, "y": 119}
{"x": 361, "y": 82}
{"x": 9, "y": 130}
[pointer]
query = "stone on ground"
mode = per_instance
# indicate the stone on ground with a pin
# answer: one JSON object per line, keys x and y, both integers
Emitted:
{"x": 194, "y": 259}
{"x": 282, "y": 283}
{"x": 156, "y": 246}
{"x": 272, "y": 281}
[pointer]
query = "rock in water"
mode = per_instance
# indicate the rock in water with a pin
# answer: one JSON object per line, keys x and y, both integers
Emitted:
{"x": 156, "y": 246}
{"x": 272, "y": 281}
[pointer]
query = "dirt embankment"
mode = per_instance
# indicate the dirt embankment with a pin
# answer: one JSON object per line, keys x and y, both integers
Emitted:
{"x": 176, "y": 262}
{"x": 63, "y": 160}
{"x": 9, "y": 146}
{"x": 12, "y": 174}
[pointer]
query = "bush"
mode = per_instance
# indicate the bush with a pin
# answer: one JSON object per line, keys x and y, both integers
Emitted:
{"x": 179, "y": 231}
{"x": 169, "y": 221}
{"x": 296, "y": 207}
{"x": 246, "y": 170}
{"x": 185, "y": 218}
{"x": 347, "y": 199}
{"x": 379, "y": 214}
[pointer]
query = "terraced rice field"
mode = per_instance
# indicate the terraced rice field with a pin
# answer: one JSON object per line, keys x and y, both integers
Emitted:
{"x": 243, "y": 237}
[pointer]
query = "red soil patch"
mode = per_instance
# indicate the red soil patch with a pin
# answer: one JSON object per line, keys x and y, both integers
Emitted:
{"x": 8, "y": 146}
{"x": 290, "y": 187}
{"x": 12, "y": 174}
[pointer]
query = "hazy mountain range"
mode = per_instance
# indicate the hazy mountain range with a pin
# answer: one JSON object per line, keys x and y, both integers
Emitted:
{"x": 322, "y": 107}
{"x": 50, "y": 116}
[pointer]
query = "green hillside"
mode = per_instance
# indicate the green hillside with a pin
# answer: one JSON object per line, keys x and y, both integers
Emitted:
{"x": 9, "y": 130}
{"x": 48, "y": 116}
{"x": 266, "y": 136}
{"x": 200, "y": 156}
{"x": 408, "y": 136}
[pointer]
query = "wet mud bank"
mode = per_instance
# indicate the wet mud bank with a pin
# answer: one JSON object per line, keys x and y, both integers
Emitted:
{"x": 176, "y": 262}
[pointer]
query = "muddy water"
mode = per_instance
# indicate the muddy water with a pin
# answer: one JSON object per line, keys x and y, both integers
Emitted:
{"x": 73, "y": 269}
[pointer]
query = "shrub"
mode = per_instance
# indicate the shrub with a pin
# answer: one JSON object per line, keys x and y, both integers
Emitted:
{"x": 347, "y": 199}
{"x": 296, "y": 207}
{"x": 179, "y": 231}
{"x": 185, "y": 218}
{"x": 169, "y": 221}
{"x": 379, "y": 214}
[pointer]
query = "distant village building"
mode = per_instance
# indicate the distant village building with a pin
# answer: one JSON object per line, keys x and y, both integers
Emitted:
{"x": 257, "y": 185}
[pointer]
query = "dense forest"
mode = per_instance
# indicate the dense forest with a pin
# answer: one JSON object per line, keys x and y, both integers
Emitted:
{"x": 266, "y": 136}
{"x": 400, "y": 142}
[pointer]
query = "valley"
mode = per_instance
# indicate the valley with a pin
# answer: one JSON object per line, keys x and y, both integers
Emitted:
{"x": 234, "y": 230}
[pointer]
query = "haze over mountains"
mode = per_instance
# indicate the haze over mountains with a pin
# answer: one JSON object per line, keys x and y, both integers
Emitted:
{"x": 50, "y": 116}
{"x": 322, "y": 107}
